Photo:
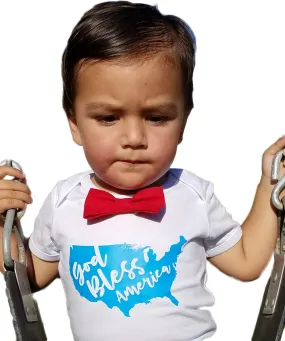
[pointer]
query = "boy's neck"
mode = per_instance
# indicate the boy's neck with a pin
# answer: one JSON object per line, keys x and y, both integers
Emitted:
{"x": 105, "y": 187}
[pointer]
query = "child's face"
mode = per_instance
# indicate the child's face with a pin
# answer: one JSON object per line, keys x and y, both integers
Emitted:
{"x": 131, "y": 111}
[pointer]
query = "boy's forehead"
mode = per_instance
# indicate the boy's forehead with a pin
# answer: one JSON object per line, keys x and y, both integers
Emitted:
{"x": 154, "y": 78}
{"x": 149, "y": 61}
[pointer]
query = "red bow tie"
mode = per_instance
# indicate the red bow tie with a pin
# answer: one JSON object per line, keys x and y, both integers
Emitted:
{"x": 99, "y": 203}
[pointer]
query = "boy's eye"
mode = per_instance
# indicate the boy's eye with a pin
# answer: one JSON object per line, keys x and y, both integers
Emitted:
{"x": 106, "y": 119}
{"x": 158, "y": 119}
{"x": 109, "y": 118}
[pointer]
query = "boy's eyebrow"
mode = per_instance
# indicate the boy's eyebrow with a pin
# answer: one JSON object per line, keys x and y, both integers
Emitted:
{"x": 168, "y": 106}
{"x": 99, "y": 105}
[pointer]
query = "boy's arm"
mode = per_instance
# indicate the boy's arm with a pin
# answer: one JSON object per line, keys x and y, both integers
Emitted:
{"x": 44, "y": 273}
{"x": 41, "y": 273}
{"x": 249, "y": 257}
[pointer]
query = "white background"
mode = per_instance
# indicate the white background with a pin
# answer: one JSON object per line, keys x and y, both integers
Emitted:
{"x": 239, "y": 112}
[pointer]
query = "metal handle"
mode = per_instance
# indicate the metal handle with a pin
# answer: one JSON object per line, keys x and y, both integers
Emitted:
{"x": 12, "y": 223}
{"x": 275, "y": 176}
{"x": 8, "y": 226}
{"x": 271, "y": 317}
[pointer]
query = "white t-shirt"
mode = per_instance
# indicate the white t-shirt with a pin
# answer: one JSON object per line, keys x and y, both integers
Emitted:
{"x": 136, "y": 276}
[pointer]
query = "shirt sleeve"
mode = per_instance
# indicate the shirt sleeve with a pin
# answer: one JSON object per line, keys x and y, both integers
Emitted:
{"x": 224, "y": 232}
{"x": 41, "y": 241}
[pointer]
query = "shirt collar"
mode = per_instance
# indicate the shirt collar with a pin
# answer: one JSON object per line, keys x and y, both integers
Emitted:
{"x": 66, "y": 186}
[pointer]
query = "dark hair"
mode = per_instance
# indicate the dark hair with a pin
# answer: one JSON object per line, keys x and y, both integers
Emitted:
{"x": 121, "y": 29}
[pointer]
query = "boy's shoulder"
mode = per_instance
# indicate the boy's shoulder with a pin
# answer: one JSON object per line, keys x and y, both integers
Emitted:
{"x": 192, "y": 181}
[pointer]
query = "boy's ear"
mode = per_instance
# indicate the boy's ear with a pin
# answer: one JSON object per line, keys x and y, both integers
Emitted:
{"x": 75, "y": 131}
{"x": 181, "y": 135}
{"x": 182, "y": 129}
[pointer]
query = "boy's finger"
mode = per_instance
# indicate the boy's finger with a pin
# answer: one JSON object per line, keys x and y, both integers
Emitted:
{"x": 6, "y": 170}
{"x": 14, "y": 185}
{"x": 7, "y": 204}
{"x": 276, "y": 147}
{"x": 11, "y": 195}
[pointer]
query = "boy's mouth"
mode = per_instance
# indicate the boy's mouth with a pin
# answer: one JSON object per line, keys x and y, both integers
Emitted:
{"x": 133, "y": 161}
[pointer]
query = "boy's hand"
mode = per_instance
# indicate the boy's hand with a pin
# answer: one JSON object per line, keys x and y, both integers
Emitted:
{"x": 268, "y": 157}
{"x": 13, "y": 194}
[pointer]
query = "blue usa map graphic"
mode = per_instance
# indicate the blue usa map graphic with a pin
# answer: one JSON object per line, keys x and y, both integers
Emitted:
{"x": 123, "y": 275}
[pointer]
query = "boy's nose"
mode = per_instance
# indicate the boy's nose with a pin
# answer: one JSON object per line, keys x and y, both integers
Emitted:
{"x": 134, "y": 134}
